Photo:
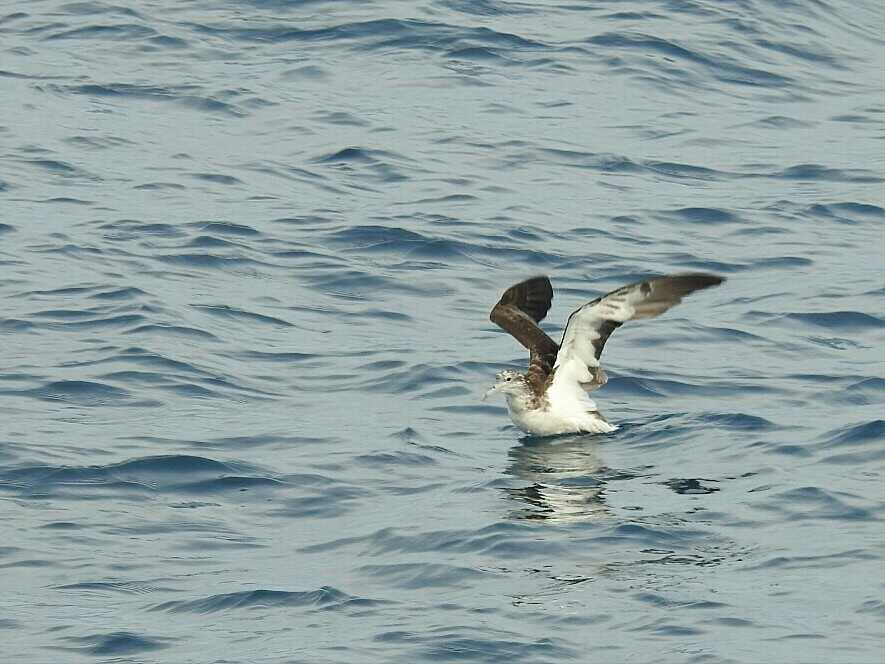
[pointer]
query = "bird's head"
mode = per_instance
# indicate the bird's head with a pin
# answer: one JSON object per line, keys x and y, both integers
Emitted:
{"x": 509, "y": 383}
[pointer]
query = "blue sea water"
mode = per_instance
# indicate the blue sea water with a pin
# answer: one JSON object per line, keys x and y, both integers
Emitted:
{"x": 248, "y": 251}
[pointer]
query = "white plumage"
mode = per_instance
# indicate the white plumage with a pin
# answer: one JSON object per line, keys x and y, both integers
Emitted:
{"x": 551, "y": 398}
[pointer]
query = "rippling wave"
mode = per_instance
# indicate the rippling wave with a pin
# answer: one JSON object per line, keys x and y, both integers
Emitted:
{"x": 249, "y": 249}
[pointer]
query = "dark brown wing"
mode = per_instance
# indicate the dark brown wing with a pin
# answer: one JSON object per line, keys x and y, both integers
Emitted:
{"x": 518, "y": 312}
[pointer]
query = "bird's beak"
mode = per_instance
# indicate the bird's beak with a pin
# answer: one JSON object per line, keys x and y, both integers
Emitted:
{"x": 490, "y": 393}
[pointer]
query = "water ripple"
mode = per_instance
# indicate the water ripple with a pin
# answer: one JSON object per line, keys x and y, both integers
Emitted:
{"x": 166, "y": 474}
{"x": 249, "y": 252}
{"x": 326, "y": 598}
{"x": 117, "y": 644}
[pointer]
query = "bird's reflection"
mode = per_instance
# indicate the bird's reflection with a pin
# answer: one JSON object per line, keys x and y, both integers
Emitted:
{"x": 566, "y": 478}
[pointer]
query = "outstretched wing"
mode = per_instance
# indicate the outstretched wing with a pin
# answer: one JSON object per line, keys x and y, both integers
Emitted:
{"x": 590, "y": 326}
{"x": 518, "y": 312}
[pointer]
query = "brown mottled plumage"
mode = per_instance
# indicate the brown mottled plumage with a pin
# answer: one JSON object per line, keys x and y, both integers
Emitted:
{"x": 518, "y": 312}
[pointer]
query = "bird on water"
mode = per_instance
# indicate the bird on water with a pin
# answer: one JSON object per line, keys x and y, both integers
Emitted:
{"x": 552, "y": 396}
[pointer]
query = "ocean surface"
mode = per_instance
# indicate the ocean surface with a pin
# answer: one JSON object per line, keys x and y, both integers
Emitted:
{"x": 248, "y": 252}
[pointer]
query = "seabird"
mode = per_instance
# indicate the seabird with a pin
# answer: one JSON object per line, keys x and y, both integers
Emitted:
{"x": 551, "y": 397}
